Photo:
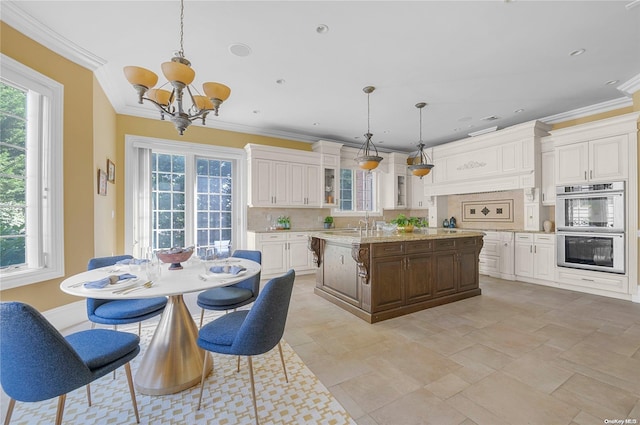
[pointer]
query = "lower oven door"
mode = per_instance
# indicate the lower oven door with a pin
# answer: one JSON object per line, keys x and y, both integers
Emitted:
{"x": 592, "y": 251}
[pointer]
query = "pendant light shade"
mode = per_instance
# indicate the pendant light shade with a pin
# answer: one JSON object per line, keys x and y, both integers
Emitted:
{"x": 367, "y": 157}
{"x": 419, "y": 162}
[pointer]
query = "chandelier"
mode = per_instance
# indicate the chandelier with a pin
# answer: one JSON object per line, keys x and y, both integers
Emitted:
{"x": 180, "y": 75}
{"x": 366, "y": 158}
{"x": 419, "y": 162}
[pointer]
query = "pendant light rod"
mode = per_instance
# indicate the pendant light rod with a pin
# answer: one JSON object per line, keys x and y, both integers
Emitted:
{"x": 365, "y": 158}
{"x": 424, "y": 166}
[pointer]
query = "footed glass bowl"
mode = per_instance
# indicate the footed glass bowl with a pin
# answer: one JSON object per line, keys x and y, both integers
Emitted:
{"x": 175, "y": 259}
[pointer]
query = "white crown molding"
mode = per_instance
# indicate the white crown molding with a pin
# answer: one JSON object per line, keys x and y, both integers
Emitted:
{"x": 598, "y": 108}
{"x": 14, "y": 16}
{"x": 631, "y": 86}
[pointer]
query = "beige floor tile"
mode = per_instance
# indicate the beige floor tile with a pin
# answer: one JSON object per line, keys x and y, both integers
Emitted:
{"x": 485, "y": 355}
{"x": 333, "y": 370}
{"x": 418, "y": 407}
{"x": 447, "y": 386}
{"x": 365, "y": 420}
{"x": 596, "y": 397}
{"x": 537, "y": 373}
{"x": 446, "y": 343}
{"x": 584, "y": 418}
{"x": 370, "y": 391}
{"x": 474, "y": 411}
{"x": 518, "y": 403}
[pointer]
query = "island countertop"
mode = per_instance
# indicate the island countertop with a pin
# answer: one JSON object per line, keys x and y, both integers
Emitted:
{"x": 355, "y": 236}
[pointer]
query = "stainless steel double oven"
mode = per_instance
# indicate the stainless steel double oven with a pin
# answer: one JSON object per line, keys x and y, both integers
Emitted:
{"x": 590, "y": 226}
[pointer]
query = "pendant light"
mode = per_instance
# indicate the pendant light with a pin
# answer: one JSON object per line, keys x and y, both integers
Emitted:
{"x": 180, "y": 75}
{"x": 419, "y": 163}
{"x": 366, "y": 158}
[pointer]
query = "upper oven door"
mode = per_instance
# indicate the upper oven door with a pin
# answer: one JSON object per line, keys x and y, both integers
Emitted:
{"x": 594, "y": 212}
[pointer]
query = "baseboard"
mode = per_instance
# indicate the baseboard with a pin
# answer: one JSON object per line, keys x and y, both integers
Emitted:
{"x": 67, "y": 315}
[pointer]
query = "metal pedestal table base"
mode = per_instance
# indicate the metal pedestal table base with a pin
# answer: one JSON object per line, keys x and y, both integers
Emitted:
{"x": 173, "y": 361}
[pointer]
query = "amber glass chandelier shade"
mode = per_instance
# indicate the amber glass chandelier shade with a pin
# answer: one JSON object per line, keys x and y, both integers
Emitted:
{"x": 420, "y": 170}
{"x": 176, "y": 71}
{"x": 140, "y": 76}
{"x": 369, "y": 165}
{"x": 159, "y": 96}
{"x": 202, "y": 102}
{"x": 216, "y": 91}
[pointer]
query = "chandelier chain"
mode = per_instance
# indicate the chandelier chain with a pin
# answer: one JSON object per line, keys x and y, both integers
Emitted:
{"x": 181, "y": 52}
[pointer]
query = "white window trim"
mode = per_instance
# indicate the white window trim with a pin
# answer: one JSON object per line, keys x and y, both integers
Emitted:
{"x": 51, "y": 181}
{"x": 336, "y": 212}
{"x": 132, "y": 167}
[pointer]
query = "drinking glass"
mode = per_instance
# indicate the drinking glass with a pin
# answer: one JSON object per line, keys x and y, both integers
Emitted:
{"x": 153, "y": 267}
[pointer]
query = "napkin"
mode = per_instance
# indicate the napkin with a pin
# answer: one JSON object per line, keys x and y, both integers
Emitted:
{"x": 128, "y": 261}
{"x": 101, "y": 283}
{"x": 227, "y": 269}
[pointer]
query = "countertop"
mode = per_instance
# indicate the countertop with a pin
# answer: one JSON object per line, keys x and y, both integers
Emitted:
{"x": 351, "y": 236}
{"x": 458, "y": 229}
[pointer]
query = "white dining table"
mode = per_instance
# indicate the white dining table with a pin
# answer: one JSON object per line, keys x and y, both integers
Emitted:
{"x": 173, "y": 361}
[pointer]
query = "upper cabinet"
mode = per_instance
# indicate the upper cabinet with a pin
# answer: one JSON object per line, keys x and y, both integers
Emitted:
{"x": 548, "y": 173}
{"x": 283, "y": 177}
{"x": 504, "y": 160}
{"x": 594, "y": 160}
{"x": 594, "y": 152}
{"x": 395, "y": 183}
{"x": 329, "y": 171}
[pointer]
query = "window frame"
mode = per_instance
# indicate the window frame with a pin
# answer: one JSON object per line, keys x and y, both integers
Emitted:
{"x": 46, "y": 246}
{"x": 375, "y": 182}
{"x": 134, "y": 228}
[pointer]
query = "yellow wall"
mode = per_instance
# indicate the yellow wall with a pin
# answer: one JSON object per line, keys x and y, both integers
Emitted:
{"x": 78, "y": 174}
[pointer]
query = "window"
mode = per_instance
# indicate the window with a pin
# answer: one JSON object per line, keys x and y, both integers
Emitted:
{"x": 192, "y": 198}
{"x": 357, "y": 192}
{"x": 31, "y": 221}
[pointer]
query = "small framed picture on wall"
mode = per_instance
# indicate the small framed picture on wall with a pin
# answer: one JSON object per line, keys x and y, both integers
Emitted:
{"x": 111, "y": 171}
{"x": 102, "y": 183}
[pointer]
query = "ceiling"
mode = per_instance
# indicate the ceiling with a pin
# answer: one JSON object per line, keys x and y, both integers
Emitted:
{"x": 469, "y": 60}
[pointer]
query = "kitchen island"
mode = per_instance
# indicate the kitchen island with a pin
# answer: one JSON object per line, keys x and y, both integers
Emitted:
{"x": 377, "y": 276}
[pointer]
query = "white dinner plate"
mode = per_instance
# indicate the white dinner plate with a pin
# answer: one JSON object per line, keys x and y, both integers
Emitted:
{"x": 221, "y": 275}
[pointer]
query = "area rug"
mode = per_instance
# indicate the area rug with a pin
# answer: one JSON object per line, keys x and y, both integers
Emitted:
{"x": 226, "y": 398}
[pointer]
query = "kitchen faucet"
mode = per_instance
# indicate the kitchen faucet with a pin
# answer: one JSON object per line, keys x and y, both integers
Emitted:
{"x": 366, "y": 223}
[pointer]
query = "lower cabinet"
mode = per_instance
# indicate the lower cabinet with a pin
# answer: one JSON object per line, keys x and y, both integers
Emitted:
{"x": 282, "y": 251}
{"x": 409, "y": 273}
{"x": 496, "y": 257}
{"x": 535, "y": 256}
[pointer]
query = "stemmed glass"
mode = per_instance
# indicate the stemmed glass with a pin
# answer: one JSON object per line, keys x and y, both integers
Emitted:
{"x": 152, "y": 266}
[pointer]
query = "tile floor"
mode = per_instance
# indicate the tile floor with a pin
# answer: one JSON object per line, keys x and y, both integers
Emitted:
{"x": 518, "y": 354}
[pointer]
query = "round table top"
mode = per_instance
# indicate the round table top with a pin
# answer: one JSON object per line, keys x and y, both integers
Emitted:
{"x": 191, "y": 278}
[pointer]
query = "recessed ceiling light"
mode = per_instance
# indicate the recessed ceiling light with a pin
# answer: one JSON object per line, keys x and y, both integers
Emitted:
{"x": 386, "y": 132}
{"x": 490, "y": 118}
{"x": 256, "y": 111}
{"x": 577, "y": 52}
{"x": 280, "y": 81}
{"x": 517, "y": 111}
{"x": 240, "y": 49}
{"x": 611, "y": 82}
{"x": 322, "y": 29}
{"x": 316, "y": 123}
{"x": 463, "y": 119}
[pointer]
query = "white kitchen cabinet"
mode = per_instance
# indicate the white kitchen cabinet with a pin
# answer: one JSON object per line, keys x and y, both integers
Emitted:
{"x": 305, "y": 190}
{"x": 535, "y": 256}
{"x": 395, "y": 183}
{"x": 270, "y": 182}
{"x": 418, "y": 199}
{"x": 496, "y": 257}
{"x": 282, "y": 251}
{"x": 548, "y": 178}
{"x": 592, "y": 161}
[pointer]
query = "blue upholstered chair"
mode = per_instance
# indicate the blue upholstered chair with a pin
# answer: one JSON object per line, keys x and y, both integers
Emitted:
{"x": 37, "y": 363}
{"x": 121, "y": 312}
{"x": 251, "y": 332}
{"x": 233, "y": 296}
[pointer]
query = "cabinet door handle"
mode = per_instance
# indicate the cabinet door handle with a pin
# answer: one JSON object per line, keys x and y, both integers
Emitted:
{"x": 535, "y": 249}
{"x": 530, "y": 249}
{"x": 588, "y": 280}
{"x": 590, "y": 174}
{"x": 585, "y": 175}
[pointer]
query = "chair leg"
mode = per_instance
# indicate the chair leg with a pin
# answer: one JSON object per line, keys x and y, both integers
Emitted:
{"x": 60, "y": 410}
{"x": 253, "y": 389}
{"x": 284, "y": 368}
{"x": 139, "y": 328}
{"x": 127, "y": 368}
{"x": 204, "y": 371}
{"x": 89, "y": 394}
{"x": 201, "y": 317}
{"x": 238, "y": 363}
{"x": 115, "y": 328}
{"x": 12, "y": 404}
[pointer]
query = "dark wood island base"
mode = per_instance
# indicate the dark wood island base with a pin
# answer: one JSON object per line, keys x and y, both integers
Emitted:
{"x": 379, "y": 277}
